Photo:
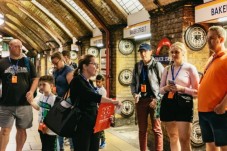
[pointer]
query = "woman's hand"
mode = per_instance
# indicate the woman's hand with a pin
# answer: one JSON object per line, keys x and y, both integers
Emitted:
{"x": 112, "y": 120}
{"x": 167, "y": 88}
{"x": 117, "y": 103}
{"x": 177, "y": 88}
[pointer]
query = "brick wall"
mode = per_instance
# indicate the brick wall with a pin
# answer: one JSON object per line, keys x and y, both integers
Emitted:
{"x": 173, "y": 25}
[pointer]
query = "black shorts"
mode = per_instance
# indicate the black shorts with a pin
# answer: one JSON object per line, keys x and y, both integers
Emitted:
{"x": 213, "y": 127}
{"x": 180, "y": 108}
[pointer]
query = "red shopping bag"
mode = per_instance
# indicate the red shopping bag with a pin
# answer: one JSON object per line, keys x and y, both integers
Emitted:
{"x": 105, "y": 111}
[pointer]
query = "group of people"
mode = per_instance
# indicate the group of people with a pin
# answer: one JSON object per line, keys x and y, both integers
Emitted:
{"x": 171, "y": 89}
{"x": 19, "y": 84}
{"x": 174, "y": 87}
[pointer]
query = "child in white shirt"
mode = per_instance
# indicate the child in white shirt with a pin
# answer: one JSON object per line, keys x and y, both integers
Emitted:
{"x": 101, "y": 90}
{"x": 45, "y": 102}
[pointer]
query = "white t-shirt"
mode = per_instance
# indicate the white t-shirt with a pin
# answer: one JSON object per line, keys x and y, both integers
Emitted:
{"x": 102, "y": 91}
{"x": 45, "y": 103}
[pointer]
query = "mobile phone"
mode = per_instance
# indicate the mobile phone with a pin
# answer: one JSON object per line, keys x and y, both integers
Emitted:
{"x": 171, "y": 82}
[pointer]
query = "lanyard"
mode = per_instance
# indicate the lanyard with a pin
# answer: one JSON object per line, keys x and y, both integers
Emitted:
{"x": 172, "y": 71}
{"x": 144, "y": 74}
{"x": 15, "y": 67}
{"x": 89, "y": 83}
{"x": 46, "y": 99}
{"x": 44, "y": 110}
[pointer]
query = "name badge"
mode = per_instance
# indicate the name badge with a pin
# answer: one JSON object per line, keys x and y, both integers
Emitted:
{"x": 14, "y": 79}
{"x": 170, "y": 95}
{"x": 143, "y": 88}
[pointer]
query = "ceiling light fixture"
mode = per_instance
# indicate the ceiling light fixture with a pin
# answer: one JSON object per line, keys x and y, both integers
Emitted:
{"x": 99, "y": 45}
{"x": 1, "y": 19}
{"x": 142, "y": 36}
{"x": 223, "y": 19}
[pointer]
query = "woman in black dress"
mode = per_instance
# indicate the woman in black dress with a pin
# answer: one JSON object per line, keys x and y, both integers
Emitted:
{"x": 83, "y": 90}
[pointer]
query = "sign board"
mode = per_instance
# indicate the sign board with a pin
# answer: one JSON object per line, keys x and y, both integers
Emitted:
{"x": 162, "y": 59}
{"x": 136, "y": 30}
{"x": 210, "y": 11}
{"x": 96, "y": 41}
{"x": 103, "y": 63}
{"x": 103, "y": 52}
{"x": 74, "y": 47}
{"x": 103, "y": 72}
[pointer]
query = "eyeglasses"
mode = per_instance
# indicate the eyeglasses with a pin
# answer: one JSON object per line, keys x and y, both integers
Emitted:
{"x": 56, "y": 63}
{"x": 95, "y": 64}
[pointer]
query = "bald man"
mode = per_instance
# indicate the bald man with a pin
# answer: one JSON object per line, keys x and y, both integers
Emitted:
{"x": 19, "y": 82}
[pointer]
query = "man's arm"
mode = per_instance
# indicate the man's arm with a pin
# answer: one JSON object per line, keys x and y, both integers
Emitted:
{"x": 220, "y": 108}
{"x": 133, "y": 83}
{"x": 34, "y": 86}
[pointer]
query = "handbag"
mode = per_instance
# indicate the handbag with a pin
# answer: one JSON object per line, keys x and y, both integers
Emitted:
{"x": 63, "y": 117}
{"x": 179, "y": 100}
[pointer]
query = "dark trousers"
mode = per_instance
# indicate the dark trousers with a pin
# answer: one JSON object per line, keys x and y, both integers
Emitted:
{"x": 143, "y": 110}
{"x": 85, "y": 139}
{"x": 49, "y": 142}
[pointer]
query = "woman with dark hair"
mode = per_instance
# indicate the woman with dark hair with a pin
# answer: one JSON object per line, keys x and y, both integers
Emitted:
{"x": 83, "y": 90}
{"x": 63, "y": 74}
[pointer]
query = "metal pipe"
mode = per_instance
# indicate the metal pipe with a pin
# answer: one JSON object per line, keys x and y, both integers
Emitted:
{"x": 88, "y": 6}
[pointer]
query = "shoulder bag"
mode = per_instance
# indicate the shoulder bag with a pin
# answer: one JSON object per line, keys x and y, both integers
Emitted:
{"x": 63, "y": 117}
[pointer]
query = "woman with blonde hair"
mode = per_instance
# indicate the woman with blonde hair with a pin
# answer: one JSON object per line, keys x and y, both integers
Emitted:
{"x": 179, "y": 84}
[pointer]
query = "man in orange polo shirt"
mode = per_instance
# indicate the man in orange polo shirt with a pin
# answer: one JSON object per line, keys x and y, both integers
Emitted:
{"x": 212, "y": 93}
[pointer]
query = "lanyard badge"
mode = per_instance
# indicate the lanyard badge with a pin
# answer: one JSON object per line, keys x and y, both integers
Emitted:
{"x": 170, "y": 95}
{"x": 14, "y": 79}
{"x": 143, "y": 88}
{"x": 15, "y": 69}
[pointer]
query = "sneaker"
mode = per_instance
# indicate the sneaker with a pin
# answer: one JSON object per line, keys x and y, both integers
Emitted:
{"x": 102, "y": 145}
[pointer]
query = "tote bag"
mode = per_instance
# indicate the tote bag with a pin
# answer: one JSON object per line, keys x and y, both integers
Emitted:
{"x": 63, "y": 118}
